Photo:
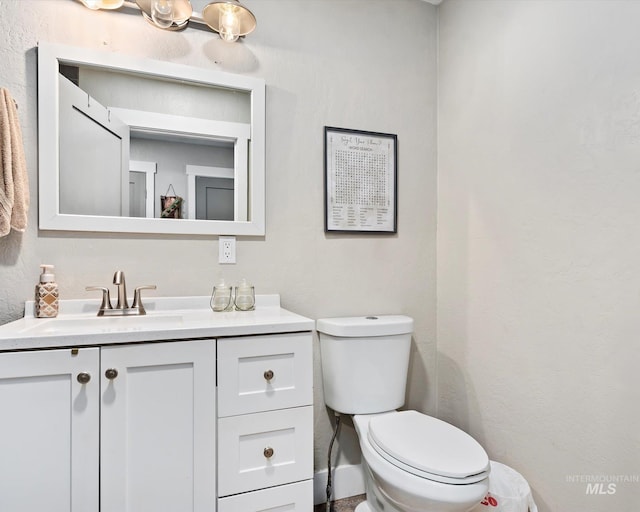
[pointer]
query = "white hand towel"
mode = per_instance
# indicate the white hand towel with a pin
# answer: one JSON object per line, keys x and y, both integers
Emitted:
{"x": 14, "y": 182}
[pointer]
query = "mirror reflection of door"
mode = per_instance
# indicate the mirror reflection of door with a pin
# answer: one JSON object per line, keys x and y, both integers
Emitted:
{"x": 212, "y": 193}
{"x": 94, "y": 145}
{"x": 214, "y": 198}
{"x": 142, "y": 188}
{"x": 137, "y": 194}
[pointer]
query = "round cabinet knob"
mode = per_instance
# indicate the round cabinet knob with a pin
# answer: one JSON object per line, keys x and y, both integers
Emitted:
{"x": 268, "y": 375}
{"x": 83, "y": 377}
{"x": 268, "y": 452}
{"x": 111, "y": 373}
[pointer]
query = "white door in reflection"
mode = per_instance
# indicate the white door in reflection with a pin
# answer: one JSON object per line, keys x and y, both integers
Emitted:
{"x": 94, "y": 151}
{"x": 137, "y": 194}
{"x": 141, "y": 188}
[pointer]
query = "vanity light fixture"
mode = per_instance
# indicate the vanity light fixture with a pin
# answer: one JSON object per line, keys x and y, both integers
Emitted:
{"x": 166, "y": 14}
{"x": 229, "y": 18}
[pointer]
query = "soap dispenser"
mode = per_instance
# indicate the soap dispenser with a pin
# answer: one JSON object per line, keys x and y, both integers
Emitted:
{"x": 46, "y": 294}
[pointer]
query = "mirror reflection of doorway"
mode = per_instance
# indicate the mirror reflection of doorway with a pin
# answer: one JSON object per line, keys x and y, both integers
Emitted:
{"x": 213, "y": 194}
{"x": 142, "y": 188}
{"x": 137, "y": 194}
{"x": 94, "y": 146}
{"x": 214, "y": 198}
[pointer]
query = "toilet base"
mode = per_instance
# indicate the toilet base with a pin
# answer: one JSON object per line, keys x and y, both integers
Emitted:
{"x": 363, "y": 507}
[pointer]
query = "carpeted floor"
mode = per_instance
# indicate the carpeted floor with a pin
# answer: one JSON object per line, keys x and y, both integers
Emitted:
{"x": 345, "y": 505}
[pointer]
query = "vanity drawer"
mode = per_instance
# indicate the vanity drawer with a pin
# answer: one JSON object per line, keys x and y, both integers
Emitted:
{"x": 264, "y": 449}
{"x": 296, "y": 497}
{"x": 264, "y": 373}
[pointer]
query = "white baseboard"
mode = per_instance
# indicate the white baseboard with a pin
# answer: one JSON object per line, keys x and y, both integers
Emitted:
{"x": 347, "y": 480}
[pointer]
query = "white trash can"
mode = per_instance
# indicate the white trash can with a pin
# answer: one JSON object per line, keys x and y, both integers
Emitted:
{"x": 508, "y": 492}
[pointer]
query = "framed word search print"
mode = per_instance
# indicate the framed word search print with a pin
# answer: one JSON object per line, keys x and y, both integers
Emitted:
{"x": 360, "y": 181}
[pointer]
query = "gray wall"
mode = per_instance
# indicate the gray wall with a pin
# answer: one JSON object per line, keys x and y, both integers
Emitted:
{"x": 538, "y": 241}
{"x": 325, "y": 62}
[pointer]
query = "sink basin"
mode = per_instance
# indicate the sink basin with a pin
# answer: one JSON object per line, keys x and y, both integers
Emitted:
{"x": 95, "y": 324}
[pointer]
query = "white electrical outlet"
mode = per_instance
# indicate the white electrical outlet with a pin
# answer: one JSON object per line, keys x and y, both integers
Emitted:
{"x": 227, "y": 249}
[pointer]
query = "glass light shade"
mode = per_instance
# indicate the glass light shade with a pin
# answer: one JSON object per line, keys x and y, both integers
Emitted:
{"x": 162, "y": 13}
{"x": 229, "y": 23}
{"x": 181, "y": 13}
{"x": 229, "y": 18}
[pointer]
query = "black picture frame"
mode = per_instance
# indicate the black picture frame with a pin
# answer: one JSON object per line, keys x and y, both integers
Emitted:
{"x": 360, "y": 181}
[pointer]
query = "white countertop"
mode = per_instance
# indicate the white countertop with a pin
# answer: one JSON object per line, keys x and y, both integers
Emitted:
{"x": 167, "y": 318}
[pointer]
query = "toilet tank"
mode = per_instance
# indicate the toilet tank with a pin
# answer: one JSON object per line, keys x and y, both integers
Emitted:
{"x": 365, "y": 361}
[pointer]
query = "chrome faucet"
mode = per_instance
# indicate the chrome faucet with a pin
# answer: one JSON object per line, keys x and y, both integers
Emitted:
{"x": 122, "y": 308}
{"x": 118, "y": 280}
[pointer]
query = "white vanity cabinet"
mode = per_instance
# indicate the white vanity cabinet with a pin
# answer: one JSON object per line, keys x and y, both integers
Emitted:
{"x": 179, "y": 410}
{"x": 265, "y": 423}
{"x": 157, "y": 437}
{"x": 49, "y": 431}
{"x": 117, "y": 428}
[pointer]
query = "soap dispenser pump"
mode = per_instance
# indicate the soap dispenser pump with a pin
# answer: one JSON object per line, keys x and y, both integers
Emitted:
{"x": 46, "y": 299}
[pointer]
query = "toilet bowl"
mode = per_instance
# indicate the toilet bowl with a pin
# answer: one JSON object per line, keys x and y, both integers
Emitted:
{"x": 412, "y": 462}
{"x": 416, "y": 463}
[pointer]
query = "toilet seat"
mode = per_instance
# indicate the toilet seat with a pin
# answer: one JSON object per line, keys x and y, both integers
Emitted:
{"x": 428, "y": 447}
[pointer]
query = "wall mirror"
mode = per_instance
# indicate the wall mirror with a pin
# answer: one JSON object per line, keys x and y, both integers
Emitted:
{"x": 140, "y": 146}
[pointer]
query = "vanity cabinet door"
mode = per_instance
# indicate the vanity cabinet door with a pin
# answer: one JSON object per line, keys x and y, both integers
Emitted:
{"x": 157, "y": 445}
{"x": 49, "y": 431}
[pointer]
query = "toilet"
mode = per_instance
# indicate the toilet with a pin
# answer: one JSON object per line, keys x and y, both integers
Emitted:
{"x": 412, "y": 462}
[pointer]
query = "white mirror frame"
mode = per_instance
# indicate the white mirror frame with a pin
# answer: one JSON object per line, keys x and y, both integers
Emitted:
{"x": 50, "y": 218}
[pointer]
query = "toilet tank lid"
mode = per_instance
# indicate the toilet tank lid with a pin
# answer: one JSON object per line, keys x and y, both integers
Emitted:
{"x": 357, "y": 326}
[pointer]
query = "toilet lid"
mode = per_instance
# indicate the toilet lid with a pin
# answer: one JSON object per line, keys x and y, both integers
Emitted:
{"x": 428, "y": 447}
